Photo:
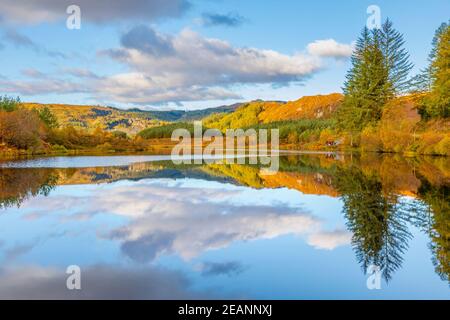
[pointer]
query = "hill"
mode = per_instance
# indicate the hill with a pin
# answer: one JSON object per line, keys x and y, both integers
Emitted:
{"x": 308, "y": 107}
{"x": 130, "y": 121}
{"x": 263, "y": 112}
{"x": 181, "y": 115}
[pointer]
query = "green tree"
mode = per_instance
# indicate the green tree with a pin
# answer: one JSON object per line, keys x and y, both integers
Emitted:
{"x": 396, "y": 57}
{"x": 48, "y": 118}
{"x": 379, "y": 72}
{"x": 437, "y": 104}
{"x": 422, "y": 81}
{"x": 434, "y": 219}
{"x": 367, "y": 87}
{"x": 375, "y": 219}
{"x": 9, "y": 104}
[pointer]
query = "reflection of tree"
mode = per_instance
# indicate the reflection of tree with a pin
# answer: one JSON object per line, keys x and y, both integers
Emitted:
{"x": 435, "y": 219}
{"x": 377, "y": 221}
{"x": 16, "y": 185}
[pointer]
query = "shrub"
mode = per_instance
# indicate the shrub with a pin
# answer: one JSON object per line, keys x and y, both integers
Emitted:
{"x": 9, "y": 104}
{"x": 21, "y": 129}
{"x": 119, "y": 134}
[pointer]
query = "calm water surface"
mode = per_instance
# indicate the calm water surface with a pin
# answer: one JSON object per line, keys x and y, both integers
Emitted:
{"x": 141, "y": 227}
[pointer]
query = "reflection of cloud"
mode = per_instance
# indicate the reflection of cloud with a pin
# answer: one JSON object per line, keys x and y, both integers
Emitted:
{"x": 221, "y": 268}
{"x": 147, "y": 247}
{"x": 166, "y": 217}
{"x": 330, "y": 240}
{"x": 97, "y": 282}
{"x": 189, "y": 221}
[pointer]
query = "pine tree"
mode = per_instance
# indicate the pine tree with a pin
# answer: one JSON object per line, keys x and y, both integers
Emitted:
{"x": 422, "y": 82}
{"x": 379, "y": 72}
{"x": 438, "y": 103}
{"x": 48, "y": 118}
{"x": 367, "y": 87}
{"x": 396, "y": 57}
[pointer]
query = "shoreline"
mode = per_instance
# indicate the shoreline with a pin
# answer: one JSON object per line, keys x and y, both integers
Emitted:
{"x": 98, "y": 153}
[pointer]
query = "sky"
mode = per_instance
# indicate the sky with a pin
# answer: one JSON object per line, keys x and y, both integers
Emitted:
{"x": 191, "y": 54}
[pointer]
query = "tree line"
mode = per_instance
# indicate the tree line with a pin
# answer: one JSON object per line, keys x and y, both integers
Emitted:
{"x": 38, "y": 131}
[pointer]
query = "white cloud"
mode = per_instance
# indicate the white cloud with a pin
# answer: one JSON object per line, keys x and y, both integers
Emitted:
{"x": 137, "y": 88}
{"x": 188, "y": 66}
{"x": 330, "y": 48}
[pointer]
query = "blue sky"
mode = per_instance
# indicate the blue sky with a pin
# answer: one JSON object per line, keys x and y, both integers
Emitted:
{"x": 192, "y": 54}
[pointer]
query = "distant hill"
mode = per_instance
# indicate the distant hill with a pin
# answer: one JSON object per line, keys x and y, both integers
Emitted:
{"x": 91, "y": 117}
{"x": 130, "y": 121}
{"x": 258, "y": 111}
{"x": 181, "y": 115}
{"x": 239, "y": 115}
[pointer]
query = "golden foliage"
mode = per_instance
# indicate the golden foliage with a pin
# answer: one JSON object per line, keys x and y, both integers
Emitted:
{"x": 308, "y": 107}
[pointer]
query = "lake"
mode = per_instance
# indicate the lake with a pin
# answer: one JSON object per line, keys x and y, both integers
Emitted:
{"x": 325, "y": 226}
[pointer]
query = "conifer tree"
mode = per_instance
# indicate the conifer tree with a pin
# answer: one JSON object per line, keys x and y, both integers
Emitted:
{"x": 379, "y": 72}
{"x": 422, "y": 82}
{"x": 396, "y": 57}
{"x": 438, "y": 102}
{"x": 367, "y": 87}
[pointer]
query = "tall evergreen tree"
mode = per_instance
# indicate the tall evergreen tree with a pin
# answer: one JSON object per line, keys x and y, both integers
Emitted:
{"x": 438, "y": 103}
{"x": 367, "y": 87}
{"x": 396, "y": 57}
{"x": 379, "y": 72}
{"x": 422, "y": 82}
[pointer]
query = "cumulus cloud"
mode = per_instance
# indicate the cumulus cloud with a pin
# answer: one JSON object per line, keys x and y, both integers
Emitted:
{"x": 188, "y": 66}
{"x": 217, "y": 19}
{"x": 147, "y": 40}
{"x": 99, "y": 11}
{"x": 330, "y": 48}
{"x": 139, "y": 88}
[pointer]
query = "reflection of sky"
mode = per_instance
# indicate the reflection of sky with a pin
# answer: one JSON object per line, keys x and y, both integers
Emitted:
{"x": 197, "y": 238}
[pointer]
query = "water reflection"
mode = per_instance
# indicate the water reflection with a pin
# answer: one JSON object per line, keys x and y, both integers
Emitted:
{"x": 377, "y": 220}
{"x": 188, "y": 211}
